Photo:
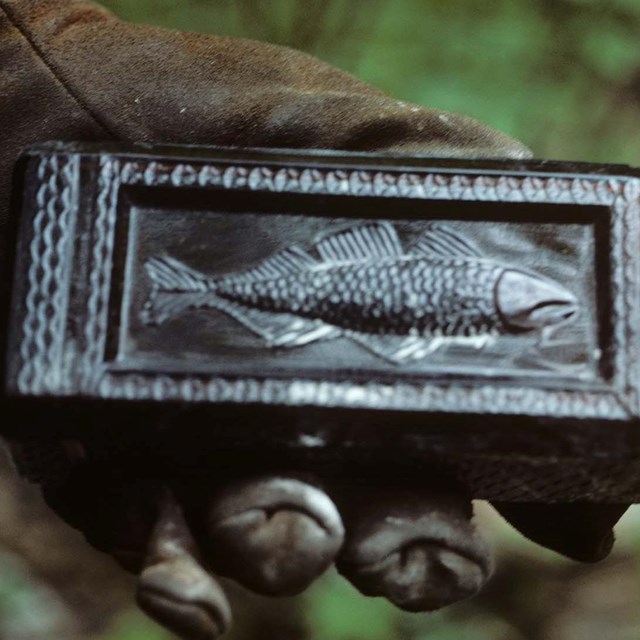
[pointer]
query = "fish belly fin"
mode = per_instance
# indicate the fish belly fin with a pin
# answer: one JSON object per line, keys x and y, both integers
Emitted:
{"x": 169, "y": 274}
{"x": 290, "y": 260}
{"x": 365, "y": 241}
{"x": 439, "y": 240}
{"x": 277, "y": 329}
{"x": 398, "y": 349}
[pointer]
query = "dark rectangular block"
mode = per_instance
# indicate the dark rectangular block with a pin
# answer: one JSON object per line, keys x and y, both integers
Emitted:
{"x": 470, "y": 300}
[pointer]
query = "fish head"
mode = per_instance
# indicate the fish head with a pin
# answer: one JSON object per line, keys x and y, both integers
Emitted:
{"x": 527, "y": 301}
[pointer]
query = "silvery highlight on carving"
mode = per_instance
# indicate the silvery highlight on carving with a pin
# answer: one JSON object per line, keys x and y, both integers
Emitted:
{"x": 362, "y": 284}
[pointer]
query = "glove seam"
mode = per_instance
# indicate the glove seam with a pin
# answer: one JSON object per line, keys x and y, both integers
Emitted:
{"x": 53, "y": 71}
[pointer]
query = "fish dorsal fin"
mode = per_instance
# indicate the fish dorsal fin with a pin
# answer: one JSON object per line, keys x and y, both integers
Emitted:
{"x": 290, "y": 260}
{"x": 370, "y": 240}
{"x": 438, "y": 239}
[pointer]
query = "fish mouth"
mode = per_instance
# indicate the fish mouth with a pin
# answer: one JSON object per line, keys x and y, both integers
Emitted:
{"x": 554, "y": 312}
{"x": 527, "y": 301}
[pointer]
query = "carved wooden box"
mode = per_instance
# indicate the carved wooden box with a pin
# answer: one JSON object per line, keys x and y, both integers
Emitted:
{"x": 336, "y": 312}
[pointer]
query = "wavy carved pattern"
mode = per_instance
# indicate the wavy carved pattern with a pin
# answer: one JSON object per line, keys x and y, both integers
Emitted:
{"x": 101, "y": 267}
{"x": 432, "y": 186}
{"x": 51, "y": 255}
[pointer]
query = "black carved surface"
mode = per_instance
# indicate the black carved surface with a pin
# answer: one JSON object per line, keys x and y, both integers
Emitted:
{"x": 96, "y": 224}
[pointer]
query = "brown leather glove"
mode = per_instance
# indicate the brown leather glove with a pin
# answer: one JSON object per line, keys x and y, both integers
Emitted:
{"x": 71, "y": 71}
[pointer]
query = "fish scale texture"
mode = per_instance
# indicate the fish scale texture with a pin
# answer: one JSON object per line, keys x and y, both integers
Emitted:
{"x": 450, "y": 297}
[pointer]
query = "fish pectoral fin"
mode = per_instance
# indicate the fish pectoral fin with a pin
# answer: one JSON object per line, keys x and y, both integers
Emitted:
{"x": 363, "y": 242}
{"x": 439, "y": 240}
{"x": 398, "y": 349}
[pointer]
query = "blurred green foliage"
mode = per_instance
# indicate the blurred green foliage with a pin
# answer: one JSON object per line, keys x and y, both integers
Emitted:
{"x": 133, "y": 625}
{"x": 27, "y": 610}
{"x": 561, "y": 75}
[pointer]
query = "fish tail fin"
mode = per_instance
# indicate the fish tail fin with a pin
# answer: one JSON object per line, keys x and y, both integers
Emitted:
{"x": 175, "y": 288}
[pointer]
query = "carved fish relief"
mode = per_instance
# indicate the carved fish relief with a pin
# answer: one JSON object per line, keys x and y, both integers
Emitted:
{"x": 361, "y": 283}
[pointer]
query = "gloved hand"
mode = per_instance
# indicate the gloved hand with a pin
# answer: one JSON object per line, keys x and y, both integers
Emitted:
{"x": 71, "y": 71}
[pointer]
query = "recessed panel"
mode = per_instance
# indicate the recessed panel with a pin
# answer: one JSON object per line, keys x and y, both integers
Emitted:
{"x": 247, "y": 292}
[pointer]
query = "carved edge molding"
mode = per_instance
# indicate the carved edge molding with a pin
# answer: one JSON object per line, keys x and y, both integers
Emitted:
{"x": 96, "y": 324}
{"x": 456, "y": 397}
{"x": 620, "y": 195}
{"x": 43, "y": 330}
